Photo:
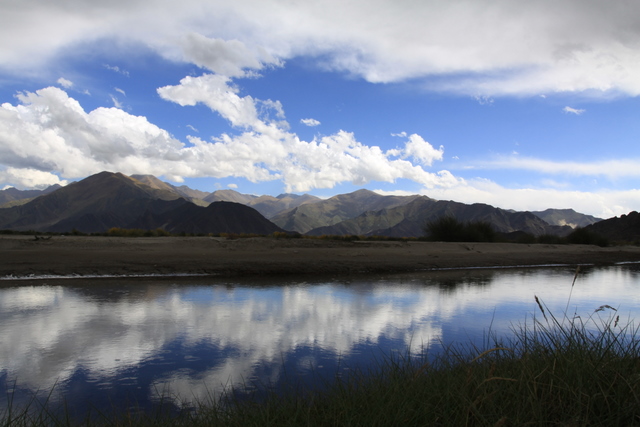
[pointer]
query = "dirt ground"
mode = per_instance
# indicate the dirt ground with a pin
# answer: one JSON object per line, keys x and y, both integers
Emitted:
{"x": 22, "y": 256}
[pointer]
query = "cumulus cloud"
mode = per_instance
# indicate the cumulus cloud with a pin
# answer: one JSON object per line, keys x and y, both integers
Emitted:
{"x": 50, "y": 131}
{"x": 483, "y": 47}
{"x": 227, "y": 57}
{"x": 28, "y": 178}
{"x": 575, "y": 111}
{"x": 422, "y": 151}
{"x": 65, "y": 83}
{"x": 310, "y": 122}
{"x": 418, "y": 149}
{"x": 217, "y": 93}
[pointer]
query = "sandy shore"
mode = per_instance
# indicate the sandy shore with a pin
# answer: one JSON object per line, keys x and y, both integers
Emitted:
{"x": 65, "y": 255}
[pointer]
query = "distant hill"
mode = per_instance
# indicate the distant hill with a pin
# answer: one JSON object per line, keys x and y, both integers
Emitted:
{"x": 408, "y": 220}
{"x": 107, "y": 200}
{"x": 94, "y": 204}
{"x": 270, "y": 206}
{"x": 566, "y": 217}
{"x": 625, "y": 228}
{"x": 194, "y": 196}
{"x": 229, "y": 196}
{"x": 336, "y": 209}
{"x": 14, "y": 197}
{"x": 218, "y": 217}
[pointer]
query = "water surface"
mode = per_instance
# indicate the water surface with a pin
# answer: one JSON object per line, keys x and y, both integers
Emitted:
{"x": 128, "y": 343}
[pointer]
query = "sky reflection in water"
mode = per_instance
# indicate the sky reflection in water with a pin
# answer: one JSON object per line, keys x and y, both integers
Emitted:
{"x": 114, "y": 342}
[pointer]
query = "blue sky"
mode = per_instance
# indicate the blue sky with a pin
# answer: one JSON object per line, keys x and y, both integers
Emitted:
{"x": 522, "y": 105}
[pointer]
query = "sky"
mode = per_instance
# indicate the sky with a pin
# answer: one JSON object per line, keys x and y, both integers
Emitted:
{"x": 523, "y": 105}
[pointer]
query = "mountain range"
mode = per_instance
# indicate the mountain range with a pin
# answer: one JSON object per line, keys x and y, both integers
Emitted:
{"x": 107, "y": 200}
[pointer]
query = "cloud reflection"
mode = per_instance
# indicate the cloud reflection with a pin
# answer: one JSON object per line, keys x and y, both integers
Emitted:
{"x": 48, "y": 333}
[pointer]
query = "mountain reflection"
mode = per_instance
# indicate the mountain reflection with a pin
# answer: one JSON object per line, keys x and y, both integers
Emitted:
{"x": 226, "y": 334}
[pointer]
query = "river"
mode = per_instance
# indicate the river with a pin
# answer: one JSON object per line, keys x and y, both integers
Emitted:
{"x": 131, "y": 343}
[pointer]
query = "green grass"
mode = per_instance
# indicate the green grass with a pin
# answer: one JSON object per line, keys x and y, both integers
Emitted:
{"x": 566, "y": 371}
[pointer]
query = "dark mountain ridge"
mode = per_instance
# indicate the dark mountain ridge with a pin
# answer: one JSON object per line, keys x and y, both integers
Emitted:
{"x": 107, "y": 200}
{"x": 566, "y": 217}
{"x": 218, "y": 217}
{"x": 102, "y": 200}
{"x": 336, "y": 209}
{"x": 409, "y": 220}
{"x": 623, "y": 229}
{"x": 13, "y": 196}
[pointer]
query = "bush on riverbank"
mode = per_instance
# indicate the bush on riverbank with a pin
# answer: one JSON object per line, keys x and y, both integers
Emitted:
{"x": 449, "y": 229}
{"x": 551, "y": 371}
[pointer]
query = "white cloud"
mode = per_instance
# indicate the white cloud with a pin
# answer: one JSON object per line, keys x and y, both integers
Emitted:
{"x": 28, "y": 178}
{"x": 117, "y": 89}
{"x": 217, "y": 93}
{"x": 116, "y": 69}
{"x": 116, "y": 102}
{"x": 575, "y": 111}
{"x": 65, "y": 83}
{"x": 418, "y": 149}
{"x": 483, "y": 100}
{"x": 50, "y": 131}
{"x": 310, "y": 122}
{"x": 422, "y": 151}
{"x": 602, "y": 204}
{"x": 612, "y": 169}
{"x": 233, "y": 186}
{"x": 229, "y": 58}
{"x": 488, "y": 47}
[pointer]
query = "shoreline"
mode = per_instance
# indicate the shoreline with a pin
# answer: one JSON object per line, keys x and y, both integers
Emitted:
{"x": 95, "y": 256}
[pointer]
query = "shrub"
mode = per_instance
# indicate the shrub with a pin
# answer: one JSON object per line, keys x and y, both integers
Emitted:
{"x": 581, "y": 236}
{"x": 286, "y": 235}
{"x": 445, "y": 228}
{"x": 449, "y": 229}
{"x": 480, "y": 231}
{"x": 136, "y": 232}
{"x": 550, "y": 239}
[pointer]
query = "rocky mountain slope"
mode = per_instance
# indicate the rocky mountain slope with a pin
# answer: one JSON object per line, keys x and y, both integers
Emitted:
{"x": 107, "y": 200}
{"x": 409, "y": 220}
{"x": 336, "y": 209}
{"x": 566, "y": 217}
{"x": 218, "y": 217}
{"x": 14, "y": 197}
{"x": 623, "y": 229}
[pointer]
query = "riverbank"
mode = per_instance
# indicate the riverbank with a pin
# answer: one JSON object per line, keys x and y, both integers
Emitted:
{"x": 96, "y": 256}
